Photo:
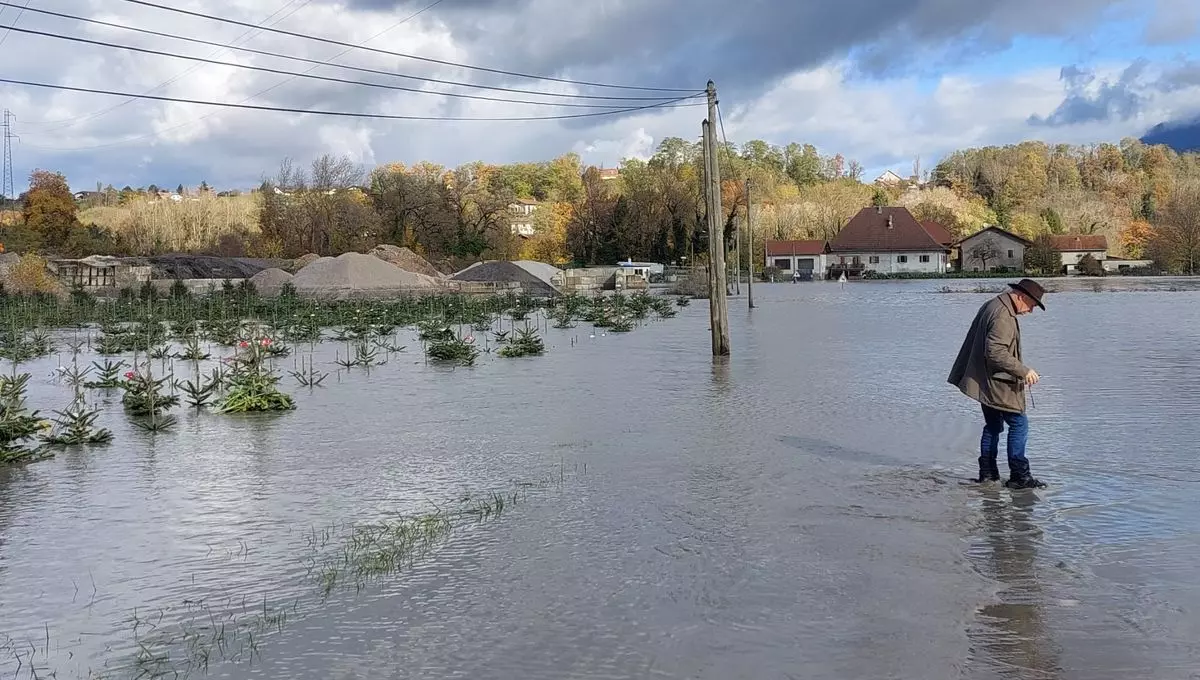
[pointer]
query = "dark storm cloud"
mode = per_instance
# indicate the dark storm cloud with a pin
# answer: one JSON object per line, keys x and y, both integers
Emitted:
{"x": 744, "y": 45}
{"x": 1120, "y": 100}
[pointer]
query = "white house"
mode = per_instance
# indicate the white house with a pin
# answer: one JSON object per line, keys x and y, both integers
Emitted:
{"x": 992, "y": 248}
{"x": 889, "y": 178}
{"x": 803, "y": 257}
{"x": 521, "y": 222}
{"x": 1072, "y": 248}
{"x": 887, "y": 241}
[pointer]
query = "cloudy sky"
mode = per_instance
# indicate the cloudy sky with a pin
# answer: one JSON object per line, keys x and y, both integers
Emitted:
{"x": 880, "y": 82}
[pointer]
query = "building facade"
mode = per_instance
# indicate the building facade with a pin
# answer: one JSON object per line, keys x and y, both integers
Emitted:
{"x": 806, "y": 259}
{"x": 992, "y": 248}
{"x": 1072, "y": 247}
{"x": 886, "y": 240}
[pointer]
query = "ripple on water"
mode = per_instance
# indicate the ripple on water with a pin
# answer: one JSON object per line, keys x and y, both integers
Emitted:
{"x": 795, "y": 512}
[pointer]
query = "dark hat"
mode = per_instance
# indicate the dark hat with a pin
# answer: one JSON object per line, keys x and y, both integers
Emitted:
{"x": 1031, "y": 288}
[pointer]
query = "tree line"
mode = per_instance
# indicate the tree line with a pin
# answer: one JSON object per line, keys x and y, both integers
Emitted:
{"x": 1146, "y": 199}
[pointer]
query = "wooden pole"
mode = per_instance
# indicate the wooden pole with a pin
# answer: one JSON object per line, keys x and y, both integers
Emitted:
{"x": 717, "y": 307}
{"x": 750, "y": 245}
{"x": 737, "y": 267}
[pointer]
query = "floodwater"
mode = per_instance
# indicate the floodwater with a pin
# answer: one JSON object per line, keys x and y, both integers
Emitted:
{"x": 799, "y": 512}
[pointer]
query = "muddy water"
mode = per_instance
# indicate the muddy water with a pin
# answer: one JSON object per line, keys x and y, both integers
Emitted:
{"x": 796, "y": 513}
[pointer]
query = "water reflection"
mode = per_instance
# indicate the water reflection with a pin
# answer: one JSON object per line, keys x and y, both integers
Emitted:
{"x": 1014, "y": 639}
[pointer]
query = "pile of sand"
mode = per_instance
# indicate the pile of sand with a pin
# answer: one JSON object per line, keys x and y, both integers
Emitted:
{"x": 269, "y": 282}
{"x": 303, "y": 261}
{"x": 406, "y": 259}
{"x": 355, "y": 275}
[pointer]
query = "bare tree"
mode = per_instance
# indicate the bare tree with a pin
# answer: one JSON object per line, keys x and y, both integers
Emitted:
{"x": 983, "y": 251}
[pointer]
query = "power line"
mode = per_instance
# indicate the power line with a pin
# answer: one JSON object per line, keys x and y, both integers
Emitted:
{"x": 343, "y": 114}
{"x": 431, "y": 60}
{"x": 157, "y": 133}
{"x": 51, "y": 125}
{"x": 361, "y": 69}
{"x": 331, "y": 79}
{"x": 20, "y": 11}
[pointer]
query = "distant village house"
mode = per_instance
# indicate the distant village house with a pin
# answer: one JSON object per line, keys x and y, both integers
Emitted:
{"x": 1072, "y": 248}
{"x": 521, "y": 222}
{"x": 798, "y": 259}
{"x": 887, "y": 240}
{"x": 992, "y": 248}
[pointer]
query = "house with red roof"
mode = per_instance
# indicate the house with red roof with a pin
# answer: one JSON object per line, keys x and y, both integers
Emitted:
{"x": 798, "y": 259}
{"x": 888, "y": 240}
{"x": 1072, "y": 248}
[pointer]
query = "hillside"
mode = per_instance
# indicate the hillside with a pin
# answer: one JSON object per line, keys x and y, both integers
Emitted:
{"x": 1182, "y": 136}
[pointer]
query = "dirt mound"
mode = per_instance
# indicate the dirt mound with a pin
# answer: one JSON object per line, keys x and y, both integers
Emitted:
{"x": 269, "y": 282}
{"x": 501, "y": 271}
{"x": 355, "y": 275}
{"x": 303, "y": 261}
{"x": 406, "y": 259}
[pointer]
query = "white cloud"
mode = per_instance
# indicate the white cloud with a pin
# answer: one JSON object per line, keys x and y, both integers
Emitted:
{"x": 880, "y": 123}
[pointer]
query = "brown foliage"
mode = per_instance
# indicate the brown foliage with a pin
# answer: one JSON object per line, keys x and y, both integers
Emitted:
{"x": 49, "y": 206}
{"x": 30, "y": 276}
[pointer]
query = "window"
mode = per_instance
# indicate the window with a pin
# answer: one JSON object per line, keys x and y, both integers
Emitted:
{"x": 923, "y": 258}
{"x": 1010, "y": 254}
{"x": 873, "y": 259}
{"x": 783, "y": 263}
{"x": 856, "y": 260}
{"x": 902, "y": 259}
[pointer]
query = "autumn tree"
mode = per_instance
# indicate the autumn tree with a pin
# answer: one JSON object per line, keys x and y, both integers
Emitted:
{"x": 49, "y": 207}
{"x": 319, "y": 212}
{"x": 591, "y": 230}
{"x": 1176, "y": 241}
{"x": 1041, "y": 257}
{"x": 1135, "y": 236}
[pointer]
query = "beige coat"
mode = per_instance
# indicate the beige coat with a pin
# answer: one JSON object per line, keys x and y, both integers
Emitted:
{"x": 988, "y": 368}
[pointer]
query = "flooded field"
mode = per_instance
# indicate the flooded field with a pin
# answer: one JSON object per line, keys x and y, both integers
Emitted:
{"x": 620, "y": 507}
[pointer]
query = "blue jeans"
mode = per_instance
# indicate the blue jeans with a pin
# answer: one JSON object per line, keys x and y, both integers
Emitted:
{"x": 1018, "y": 430}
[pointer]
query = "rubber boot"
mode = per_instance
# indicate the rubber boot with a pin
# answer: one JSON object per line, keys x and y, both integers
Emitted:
{"x": 988, "y": 470}
{"x": 1020, "y": 477}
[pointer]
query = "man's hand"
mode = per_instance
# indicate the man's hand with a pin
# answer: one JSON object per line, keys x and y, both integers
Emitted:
{"x": 1032, "y": 377}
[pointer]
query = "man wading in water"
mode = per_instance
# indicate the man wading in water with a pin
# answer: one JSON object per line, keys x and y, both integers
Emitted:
{"x": 989, "y": 370}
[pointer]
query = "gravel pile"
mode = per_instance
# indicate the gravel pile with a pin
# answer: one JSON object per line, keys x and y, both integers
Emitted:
{"x": 269, "y": 282}
{"x": 355, "y": 275}
{"x": 500, "y": 271}
{"x": 406, "y": 259}
{"x": 303, "y": 261}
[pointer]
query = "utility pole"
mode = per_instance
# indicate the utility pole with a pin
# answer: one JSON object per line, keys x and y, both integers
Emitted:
{"x": 737, "y": 250}
{"x": 717, "y": 309}
{"x": 750, "y": 245}
{"x": 7, "y": 187}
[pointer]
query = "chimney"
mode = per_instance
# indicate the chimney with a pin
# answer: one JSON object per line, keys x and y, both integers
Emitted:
{"x": 889, "y": 221}
{"x": 879, "y": 210}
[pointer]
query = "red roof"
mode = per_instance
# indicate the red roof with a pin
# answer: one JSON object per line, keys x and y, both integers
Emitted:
{"x": 881, "y": 230}
{"x": 1069, "y": 243}
{"x": 776, "y": 248}
{"x": 939, "y": 233}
